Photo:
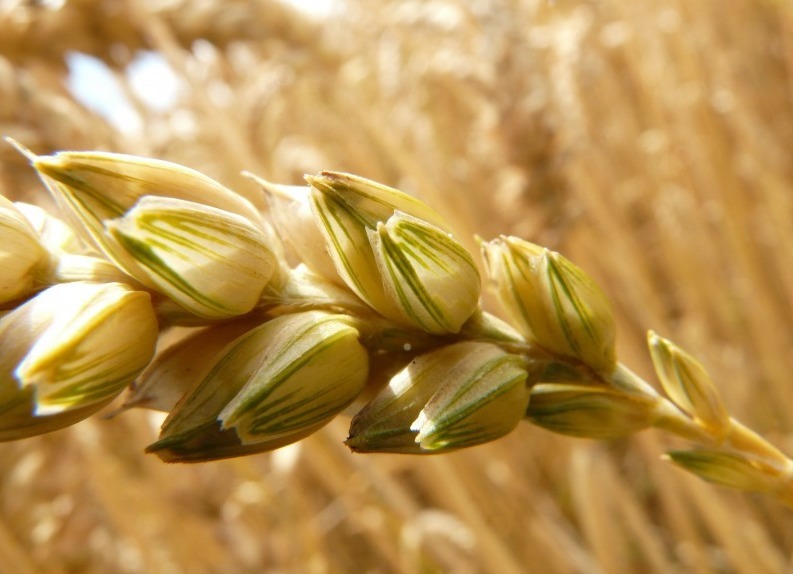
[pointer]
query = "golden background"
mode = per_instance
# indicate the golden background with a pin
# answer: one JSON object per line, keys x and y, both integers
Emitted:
{"x": 651, "y": 142}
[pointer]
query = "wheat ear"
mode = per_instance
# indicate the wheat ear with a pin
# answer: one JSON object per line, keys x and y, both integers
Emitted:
{"x": 343, "y": 294}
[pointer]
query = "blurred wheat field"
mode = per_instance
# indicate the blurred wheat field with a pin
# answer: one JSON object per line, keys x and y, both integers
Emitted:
{"x": 649, "y": 142}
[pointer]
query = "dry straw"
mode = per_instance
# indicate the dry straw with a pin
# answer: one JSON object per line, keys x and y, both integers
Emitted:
{"x": 647, "y": 143}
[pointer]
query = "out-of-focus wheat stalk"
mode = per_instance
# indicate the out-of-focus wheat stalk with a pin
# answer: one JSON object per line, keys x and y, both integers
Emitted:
{"x": 648, "y": 141}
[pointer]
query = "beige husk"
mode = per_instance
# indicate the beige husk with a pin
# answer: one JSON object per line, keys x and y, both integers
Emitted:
{"x": 648, "y": 141}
